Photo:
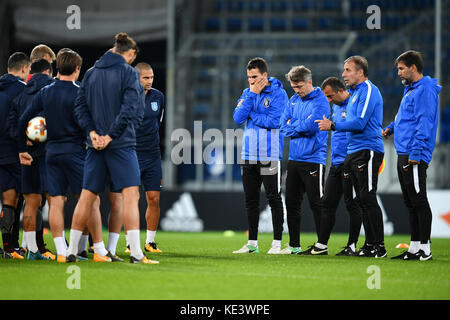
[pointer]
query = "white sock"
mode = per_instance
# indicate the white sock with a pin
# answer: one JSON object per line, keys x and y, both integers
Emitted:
{"x": 320, "y": 245}
{"x": 253, "y": 243}
{"x": 99, "y": 248}
{"x": 83, "y": 243}
{"x": 425, "y": 247}
{"x": 414, "y": 247}
{"x": 353, "y": 247}
{"x": 126, "y": 239}
{"x": 150, "y": 236}
{"x": 64, "y": 236}
{"x": 75, "y": 236}
{"x": 24, "y": 241}
{"x": 112, "y": 242}
{"x": 60, "y": 244}
{"x": 135, "y": 246}
{"x": 276, "y": 244}
{"x": 30, "y": 238}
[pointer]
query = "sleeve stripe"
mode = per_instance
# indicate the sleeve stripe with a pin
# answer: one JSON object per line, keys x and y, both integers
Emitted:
{"x": 369, "y": 91}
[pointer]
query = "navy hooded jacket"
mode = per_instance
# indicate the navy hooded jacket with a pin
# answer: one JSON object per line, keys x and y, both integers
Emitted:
{"x": 20, "y": 104}
{"x": 308, "y": 143}
{"x": 55, "y": 103}
{"x": 147, "y": 135}
{"x": 10, "y": 87}
{"x": 111, "y": 101}
{"x": 416, "y": 123}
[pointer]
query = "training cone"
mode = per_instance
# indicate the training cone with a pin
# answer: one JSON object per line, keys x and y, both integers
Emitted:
{"x": 402, "y": 245}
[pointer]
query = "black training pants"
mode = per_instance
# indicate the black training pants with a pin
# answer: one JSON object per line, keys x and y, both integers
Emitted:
{"x": 269, "y": 174}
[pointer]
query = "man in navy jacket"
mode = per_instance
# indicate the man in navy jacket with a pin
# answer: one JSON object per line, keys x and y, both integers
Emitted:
{"x": 109, "y": 107}
{"x": 307, "y": 152}
{"x": 33, "y": 174}
{"x": 11, "y": 85}
{"x": 415, "y": 129}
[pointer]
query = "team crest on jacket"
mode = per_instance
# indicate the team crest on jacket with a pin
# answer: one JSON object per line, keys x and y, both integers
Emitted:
{"x": 344, "y": 114}
{"x": 266, "y": 103}
{"x": 155, "y": 106}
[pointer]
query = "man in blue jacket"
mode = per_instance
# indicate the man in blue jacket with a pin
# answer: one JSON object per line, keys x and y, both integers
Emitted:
{"x": 307, "y": 151}
{"x": 11, "y": 85}
{"x": 415, "y": 128}
{"x": 365, "y": 150}
{"x": 338, "y": 181}
{"x": 34, "y": 174}
{"x": 261, "y": 106}
{"x": 109, "y": 107}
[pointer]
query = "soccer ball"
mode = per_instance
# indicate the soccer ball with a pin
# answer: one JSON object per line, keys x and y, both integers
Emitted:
{"x": 37, "y": 130}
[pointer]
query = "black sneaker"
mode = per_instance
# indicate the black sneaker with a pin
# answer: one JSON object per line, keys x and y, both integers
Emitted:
{"x": 407, "y": 256}
{"x": 91, "y": 249}
{"x": 347, "y": 252}
{"x": 114, "y": 258}
{"x": 71, "y": 258}
{"x": 380, "y": 252}
{"x": 315, "y": 251}
{"x": 83, "y": 254}
{"x": 423, "y": 256}
{"x": 366, "y": 251}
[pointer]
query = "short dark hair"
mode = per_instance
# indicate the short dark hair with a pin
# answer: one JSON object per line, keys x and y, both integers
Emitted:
{"x": 410, "y": 58}
{"x": 123, "y": 42}
{"x": 299, "y": 74}
{"x": 17, "y": 60}
{"x": 40, "y": 65}
{"x": 258, "y": 63}
{"x": 334, "y": 83}
{"x": 67, "y": 62}
{"x": 360, "y": 63}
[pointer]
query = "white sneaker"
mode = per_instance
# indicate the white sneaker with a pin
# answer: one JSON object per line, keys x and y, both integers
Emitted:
{"x": 290, "y": 250}
{"x": 275, "y": 250}
{"x": 247, "y": 249}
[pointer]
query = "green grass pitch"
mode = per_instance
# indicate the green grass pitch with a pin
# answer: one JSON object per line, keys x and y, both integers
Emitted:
{"x": 200, "y": 266}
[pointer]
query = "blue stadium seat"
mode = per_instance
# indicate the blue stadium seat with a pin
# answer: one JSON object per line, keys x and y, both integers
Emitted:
{"x": 277, "y": 24}
{"x": 326, "y": 23}
{"x": 234, "y": 24}
{"x": 257, "y": 5}
{"x": 278, "y": 5}
{"x": 256, "y": 24}
{"x": 332, "y": 5}
{"x": 201, "y": 109}
{"x": 300, "y": 23}
{"x": 212, "y": 24}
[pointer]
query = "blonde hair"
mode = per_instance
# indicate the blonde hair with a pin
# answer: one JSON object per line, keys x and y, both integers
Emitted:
{"x": 40, "y": 51}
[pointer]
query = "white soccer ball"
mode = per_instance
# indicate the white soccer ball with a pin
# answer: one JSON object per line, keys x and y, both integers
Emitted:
{"x": 37, "y": 130}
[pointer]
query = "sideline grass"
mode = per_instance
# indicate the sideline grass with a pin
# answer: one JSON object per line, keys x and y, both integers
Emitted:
{"x": 200, "y": 266}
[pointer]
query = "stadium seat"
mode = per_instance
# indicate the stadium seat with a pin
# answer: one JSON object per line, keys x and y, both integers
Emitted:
{"x": 277, "y": 24}
{"x": 256, "y": 24}
{"x": 234, "y": 24}
{"x": 212, "y": 24}
{"x": 300, "y": 23}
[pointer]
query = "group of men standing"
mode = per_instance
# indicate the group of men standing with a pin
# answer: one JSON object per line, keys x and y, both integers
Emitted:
{"x": 357, "y": 152}
{"x": 101, "y": 132}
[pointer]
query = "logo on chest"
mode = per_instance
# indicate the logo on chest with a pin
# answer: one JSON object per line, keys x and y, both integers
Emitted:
{"x": 344, "y": 114}
{"x": 354, "y": 98}
{"x": 266, "y": 103}
{"x": 154, "y": 106}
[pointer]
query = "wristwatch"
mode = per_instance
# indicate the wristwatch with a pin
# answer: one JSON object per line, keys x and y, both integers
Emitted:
{"x": 333, "y": 126}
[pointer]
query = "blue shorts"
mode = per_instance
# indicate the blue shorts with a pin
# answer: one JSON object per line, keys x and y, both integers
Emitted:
{"x": 120, "y": 164}
{"x": 34, "y": 177}
{"x": 151, "y": 171}
{"x": 64, "y": 170}
{"x": 10, "y": 177}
